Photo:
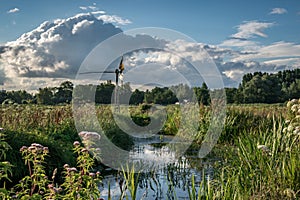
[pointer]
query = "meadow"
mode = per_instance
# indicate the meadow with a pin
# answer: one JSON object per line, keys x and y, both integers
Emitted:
{"x": 259, "y": 150}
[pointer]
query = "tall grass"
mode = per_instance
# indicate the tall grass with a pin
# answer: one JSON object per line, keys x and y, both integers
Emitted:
{"x": 259, "y": 146}
{"x": 264, "y": 165}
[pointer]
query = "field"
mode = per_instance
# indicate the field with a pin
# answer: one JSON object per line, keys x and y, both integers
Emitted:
{"x": 259, "y": 149}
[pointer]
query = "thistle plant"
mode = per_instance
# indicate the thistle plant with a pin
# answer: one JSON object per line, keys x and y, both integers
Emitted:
{"x": 5, "y": 166}
{"x": 35, "y": 184}
{"x": 80, "y": 182}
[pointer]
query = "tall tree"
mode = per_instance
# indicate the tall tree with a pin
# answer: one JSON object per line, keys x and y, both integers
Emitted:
{"x": 45, "y": 96}
{"x": 202, "y": 94}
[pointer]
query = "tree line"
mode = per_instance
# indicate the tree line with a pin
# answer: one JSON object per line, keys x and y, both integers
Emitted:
{"x": 255, "y": 87}
{"x": 262, "y": 87}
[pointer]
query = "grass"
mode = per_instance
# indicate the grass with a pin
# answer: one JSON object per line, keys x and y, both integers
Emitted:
{"x": 259, "y": 146}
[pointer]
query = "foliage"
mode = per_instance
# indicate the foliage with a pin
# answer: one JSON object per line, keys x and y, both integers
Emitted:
{"x": 202, "y": 94}
{"x": 5, "y": 166}
{"x": 258, "y": 87}
{"x": 78, "y": 184}
{"x": 260, "y": 158}
{"x": 263, "y": 164}
{"x": 267, "y": 88}
{"x": 163, "y": 96}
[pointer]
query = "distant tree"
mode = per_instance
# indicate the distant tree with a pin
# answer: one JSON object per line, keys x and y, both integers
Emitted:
{"x": 183, "y": 92}
{"x": 202, "y": 94}
{"x": 63, "y": 94}
{"x": 137, "y": 97}
{"x": 294, "y": 90}
{"x": 45, "y": 96}
{"x": 231, "y": 95}
{"x": 125, "y": 92}
{"x": 20, "y": 96}
{"x": 262, "y": 87}
{"x": 3, "y": 95}
{"x": 85, "y": 93}
{"x": 104, "y": 93}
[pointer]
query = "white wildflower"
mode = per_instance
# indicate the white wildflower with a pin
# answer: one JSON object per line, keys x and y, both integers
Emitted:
{"x": 290, "y": 128}
{"x": 284, "y": 130}
{"x": 264, "y": 148}
{"x": 294, "y": 108}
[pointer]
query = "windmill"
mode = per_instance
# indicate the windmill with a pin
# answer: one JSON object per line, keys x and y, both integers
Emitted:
{"x": 119, "y": 75}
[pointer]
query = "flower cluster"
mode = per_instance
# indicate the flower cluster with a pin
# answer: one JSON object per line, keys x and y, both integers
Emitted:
{"x": 34, "y": 148}
{"x": 85, "y": 135}
{"x": 293, "y": 121}
{"x": 90, "y": 139}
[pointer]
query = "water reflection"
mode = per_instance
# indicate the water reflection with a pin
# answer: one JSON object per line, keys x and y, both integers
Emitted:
{"x": 161, "y": 181}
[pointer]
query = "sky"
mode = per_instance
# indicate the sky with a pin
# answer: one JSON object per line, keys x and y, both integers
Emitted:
{"x": 240, "y": 36}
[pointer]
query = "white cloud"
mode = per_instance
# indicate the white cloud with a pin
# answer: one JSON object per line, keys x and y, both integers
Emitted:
{"x": 251, "y": 29}
{"x": 14, "y": 10}
{"x": 234, "y": 74}
{"x": 278, "y": 11}
{"x": 83, "y": 7}
{"x": 81, "y": 25}
{"x": 239, "y": 43}
{"x": 93, "y": 7}
{"x": 101, "y": 12}
{"x": 284, "y": 61}
{"x": 274, "y": 51}
{"x": 114, "y": 19}
{"x": 54, "y": 49}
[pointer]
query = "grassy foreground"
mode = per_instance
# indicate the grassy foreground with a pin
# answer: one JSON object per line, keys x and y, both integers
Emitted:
{"x": 259, "y": 148}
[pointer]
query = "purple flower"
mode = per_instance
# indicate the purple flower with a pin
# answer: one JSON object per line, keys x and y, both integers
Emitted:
{"x": 72, "y": 169}
{"x": 84, "y": 150}
{"x": 92, "y": 174}
{"x": 76, "y": 143}
{"x": 23, "y": 148}
{"x": 66, "y": 166}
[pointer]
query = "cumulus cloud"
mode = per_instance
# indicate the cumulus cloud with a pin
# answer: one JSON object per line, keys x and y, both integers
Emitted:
{"x": 54, "y": 49}
{"x": 278, "y": 11}
{"x": 14, "y": 10}
{"x": 81, "y": 26}
{"x": 114, "y": 19}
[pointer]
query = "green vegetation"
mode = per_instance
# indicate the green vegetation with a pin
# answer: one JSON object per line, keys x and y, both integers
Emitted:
{"x": 78, "y": 182}
{"x": 266, "y": 88}
{"x": 259, "y": 149}
{"x": 51, "y": 126}
{"x": 255, "y": 88}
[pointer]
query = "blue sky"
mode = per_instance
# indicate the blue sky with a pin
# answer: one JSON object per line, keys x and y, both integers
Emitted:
{"x": 240, "y": 36}
{"x": 205, "y": 21}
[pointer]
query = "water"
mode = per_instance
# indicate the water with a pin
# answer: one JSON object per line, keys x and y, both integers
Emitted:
{"x": 170, "y": 177}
